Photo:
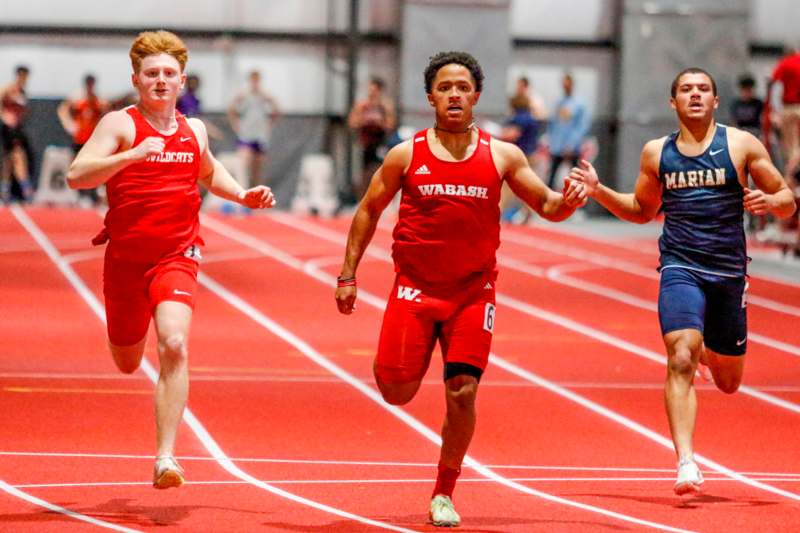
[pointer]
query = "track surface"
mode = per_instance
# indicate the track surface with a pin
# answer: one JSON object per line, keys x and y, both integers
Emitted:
{"x": 286, "y": 431}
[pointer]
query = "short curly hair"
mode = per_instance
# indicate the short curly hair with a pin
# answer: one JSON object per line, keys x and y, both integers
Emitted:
{"x": 157, "y": 42}
{"x": 459, "y": 58}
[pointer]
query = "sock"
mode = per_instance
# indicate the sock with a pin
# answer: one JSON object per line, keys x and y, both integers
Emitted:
{"x": 446, "y": 480}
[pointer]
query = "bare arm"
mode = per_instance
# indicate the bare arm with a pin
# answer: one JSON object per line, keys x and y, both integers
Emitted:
{"x": 219, "y": 181}
{"x": 530, "y": 188}
{"x": 107, "y": 151}
{"x": 385, "y": 183}
{"x": 772, "y": 194}
{"x": 639, "y": 206}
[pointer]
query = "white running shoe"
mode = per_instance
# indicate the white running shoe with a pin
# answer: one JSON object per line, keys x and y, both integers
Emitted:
{"x": 689, "y": 477}
{"x": 442, "y": 512}
{"x": 167, "y": 473}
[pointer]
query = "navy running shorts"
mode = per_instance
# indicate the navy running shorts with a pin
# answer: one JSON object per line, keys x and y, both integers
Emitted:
{"x": 712, "y": 304}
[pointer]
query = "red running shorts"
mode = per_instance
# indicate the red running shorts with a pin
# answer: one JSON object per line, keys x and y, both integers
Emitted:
{"x": 133, "y": 290}
{"x": 462, "y": 322}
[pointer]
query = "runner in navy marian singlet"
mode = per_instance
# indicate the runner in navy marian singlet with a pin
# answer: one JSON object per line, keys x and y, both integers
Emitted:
{"x": 703, "y": 254}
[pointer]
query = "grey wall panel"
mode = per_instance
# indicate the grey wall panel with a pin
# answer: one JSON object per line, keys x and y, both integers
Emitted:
{"x": 425, "y": 33}
{"x": 775, "y": 21}
{"x": 582, "y": 20}
{"x": 271, "y": 15}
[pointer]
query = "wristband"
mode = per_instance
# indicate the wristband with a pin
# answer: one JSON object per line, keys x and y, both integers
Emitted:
{"x": 241, "y": 195}
{"x": 346, "y": 282}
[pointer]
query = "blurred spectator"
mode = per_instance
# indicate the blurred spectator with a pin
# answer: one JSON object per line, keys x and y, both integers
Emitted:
{"x": 252, "y": 114}
{"x": 787, "y": 73}
{"x": 568, "y": 127}
{"x": 17, "y": 155}
{"x": 373, "y": 119}
{"x": 746, "y": 109}
{"x": 522, "y": 129}
{"x": 538, "y": 109}
{"x": 79, "y": 116}
{"x": 189, "y": 104}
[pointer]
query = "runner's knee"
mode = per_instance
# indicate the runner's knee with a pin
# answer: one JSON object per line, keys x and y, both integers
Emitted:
{"x": 127, "y": 358}
{"x": 173, "y": 348}
{"x": 398, "y": 393}
{"x": 728, "y": 384}
{"x": 680, "y": 362}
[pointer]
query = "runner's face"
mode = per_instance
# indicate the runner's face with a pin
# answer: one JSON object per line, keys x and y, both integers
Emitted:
{"x": 453, "y": 95}
{"x": 694, "y": 98}
{"x": 159, "y": 79}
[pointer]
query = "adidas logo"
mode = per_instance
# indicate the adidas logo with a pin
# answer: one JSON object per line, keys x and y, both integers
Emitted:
{"x": 488, "y": 285}
{"x": 422, "y": 170}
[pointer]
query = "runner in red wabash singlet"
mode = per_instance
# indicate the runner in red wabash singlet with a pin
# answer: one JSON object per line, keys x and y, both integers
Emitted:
{"x": 449, "y": 224}
{"x": 151, "y": 159}
{"x": 444, "y": 249}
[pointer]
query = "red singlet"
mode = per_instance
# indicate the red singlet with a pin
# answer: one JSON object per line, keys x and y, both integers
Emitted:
{"x": 788, "y": 73}
{"x": 153, "y": 205}
{"x": 448, "y": 229}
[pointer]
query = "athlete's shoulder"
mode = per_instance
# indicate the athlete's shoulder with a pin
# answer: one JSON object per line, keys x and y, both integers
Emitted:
{"x": 740, "y": 140}
{"x": 654, "y": 146}
{"x": 505, "y": 149}
{"x": 118, "y": 121}
{"x": 651, "y": 152}
{"x": 400, "y": 154}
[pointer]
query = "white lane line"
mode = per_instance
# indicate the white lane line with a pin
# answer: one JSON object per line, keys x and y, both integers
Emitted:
{"x": 555, "y": 274}
{"x": 393, "y": 464}
{"x": 14, "y": 491}
{"x": 561, "y": 391}
{"x": 646, "y": 245}
{"x": 391, "y": 481}
{"x": 659, "y": 358}
{"x": 199, "y": 430}
{"x": 626, "y": 266}
{"x": 428, "y": 382}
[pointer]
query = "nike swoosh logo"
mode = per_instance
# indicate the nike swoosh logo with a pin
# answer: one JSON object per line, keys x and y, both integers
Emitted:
{"x": 739, "y": 343}
{"x": 715, "y": 152}
{"x": 176, "y": 291}
{"x": 184, "y": 139}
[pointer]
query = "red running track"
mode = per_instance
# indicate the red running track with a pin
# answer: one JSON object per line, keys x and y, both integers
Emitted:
{"x": 571, "y": 423}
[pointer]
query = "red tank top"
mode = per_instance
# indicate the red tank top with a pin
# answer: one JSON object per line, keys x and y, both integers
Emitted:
{"x": 153, "y": 205}
{"x": 449, "y": 223}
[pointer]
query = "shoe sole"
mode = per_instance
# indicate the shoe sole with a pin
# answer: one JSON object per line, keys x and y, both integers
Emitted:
{"x": 443, "y": 524}
{"x": 169, "y": 479}
{"x": 686, "y": 488}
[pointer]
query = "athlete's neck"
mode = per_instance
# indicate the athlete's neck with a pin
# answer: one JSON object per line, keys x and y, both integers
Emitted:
{"x": 458, "y": 143}
{"x": 161, "y": 118}
{"x": 454, "y": 129}
{"x": 697, "y": 134}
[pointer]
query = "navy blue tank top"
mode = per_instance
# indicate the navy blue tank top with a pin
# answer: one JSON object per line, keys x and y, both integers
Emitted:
{"x": 702, "y": 202}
